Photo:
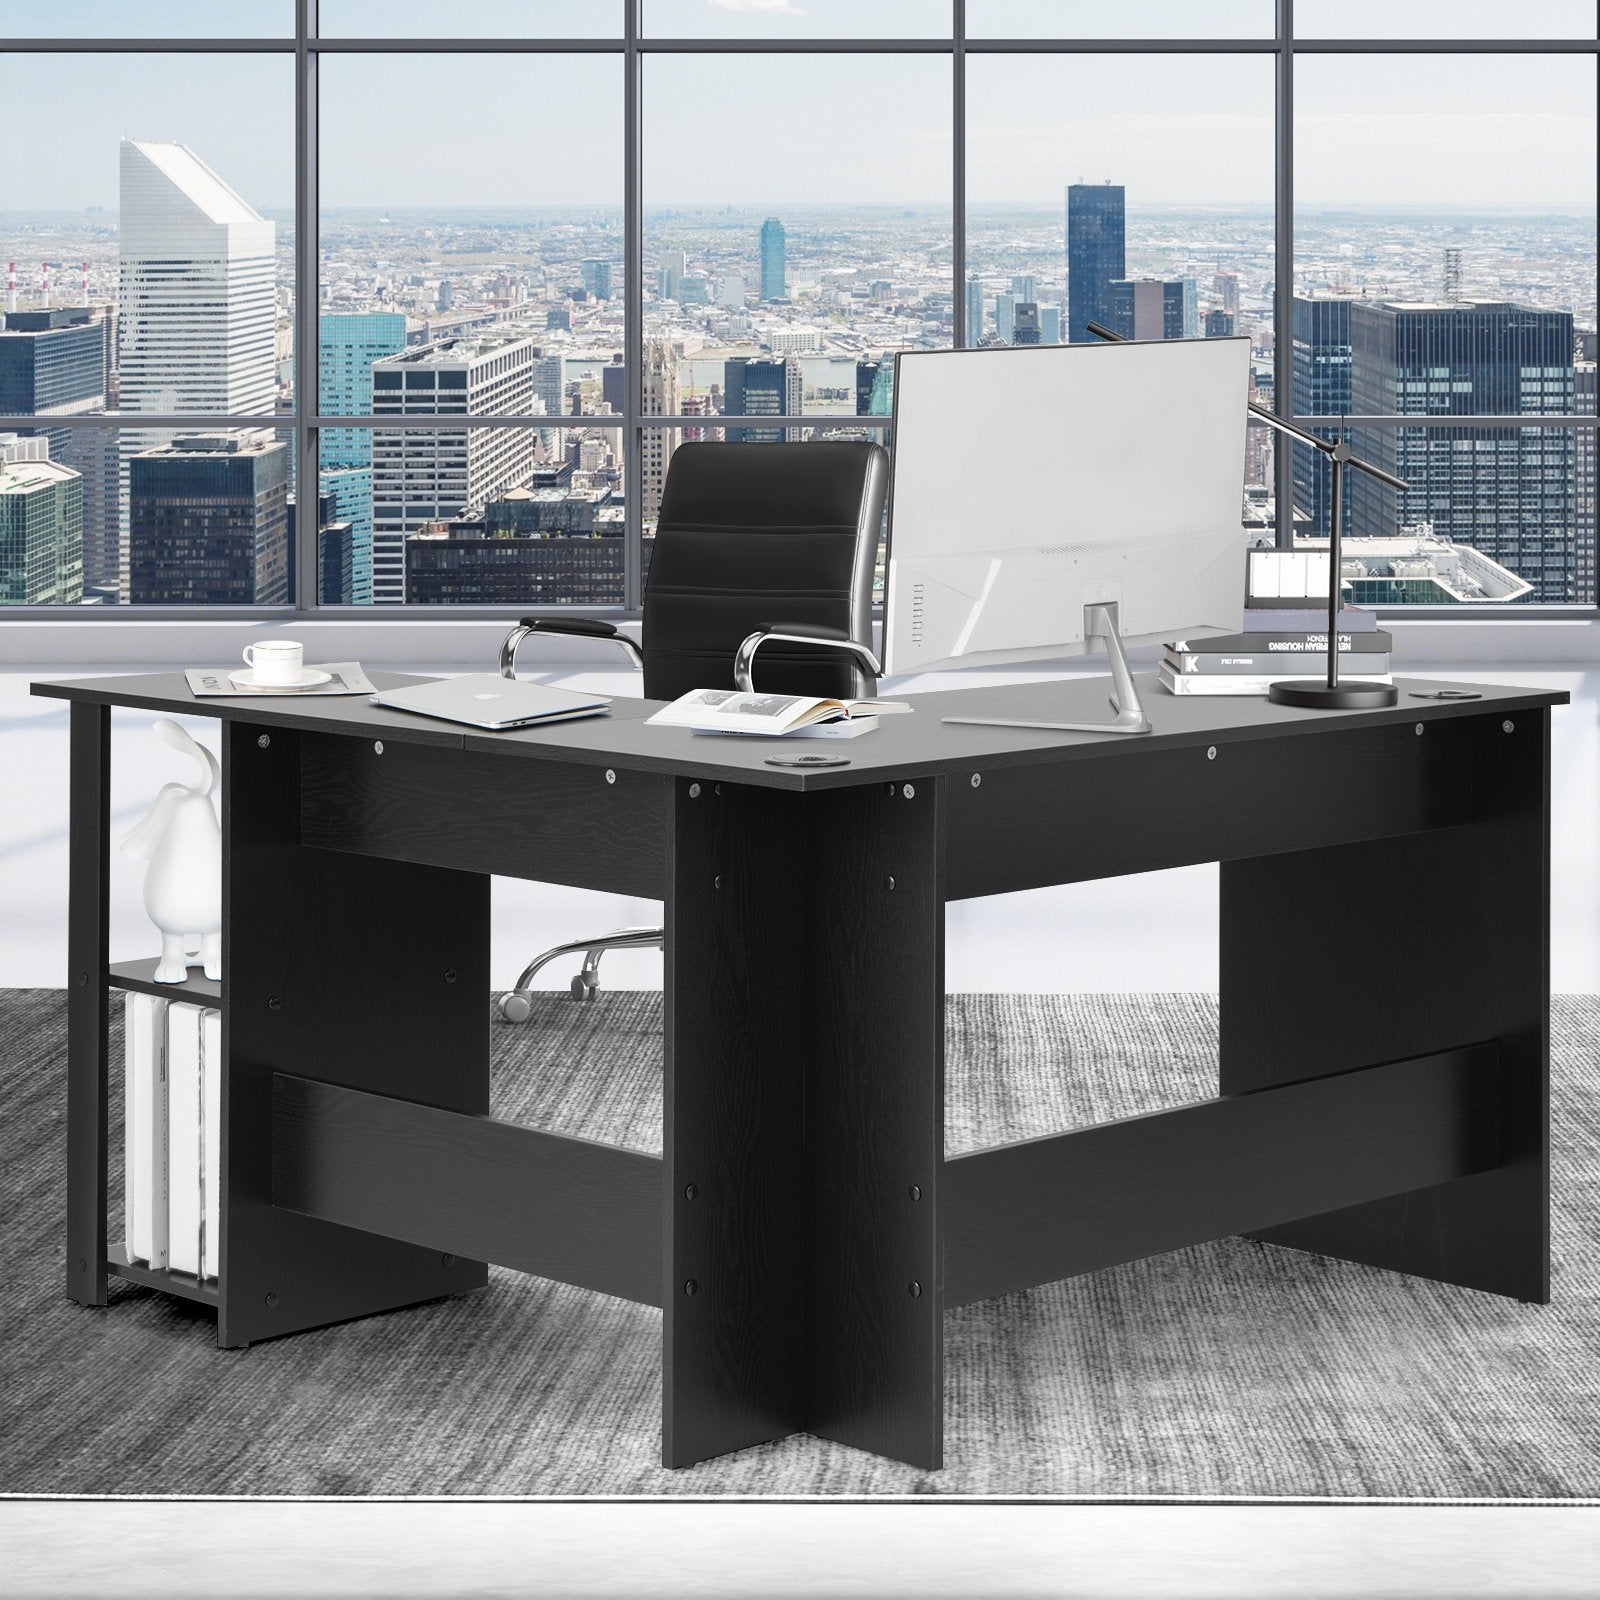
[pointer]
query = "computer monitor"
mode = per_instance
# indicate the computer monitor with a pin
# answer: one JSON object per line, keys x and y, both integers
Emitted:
{"x": 1045, "y": 496}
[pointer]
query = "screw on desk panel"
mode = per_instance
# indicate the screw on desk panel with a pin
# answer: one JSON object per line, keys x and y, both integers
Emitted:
{"x": 1508, "y": 727}
{"x": 694, "y": 791}
{"x": 447, "y": 1260}
{"x": 1419, "y": 730}
{"x": 717, "y": 789}
{"x": 450, "y": 975}
{"x": 611, "y": 776}
{"x": 274, "y": 1003}
{"x": 1211, "y": 752}
{"x": 977, "y": 778}
{"x": 916, "y": 1290}
{"x": 888, "y": 883}
{"x": 716, "y": 882}
{"x": 916, "y": 1191}
{"x": 83, "y": 1266}
{"x": 83, "y": 979}
{"x": 691, "y": 1288}
{"x": 908, "y": 791}
{"x": 689, "y": 1191}
{"x": 272, "y": 1301}
{"x": 377, "y": 747}
{"x": 264, "y": 741}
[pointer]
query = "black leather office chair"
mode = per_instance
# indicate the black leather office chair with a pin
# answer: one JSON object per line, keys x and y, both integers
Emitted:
{"x": 763, "y": 548}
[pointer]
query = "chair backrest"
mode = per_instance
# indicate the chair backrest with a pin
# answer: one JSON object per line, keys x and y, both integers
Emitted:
{"x": 750, "y": 534}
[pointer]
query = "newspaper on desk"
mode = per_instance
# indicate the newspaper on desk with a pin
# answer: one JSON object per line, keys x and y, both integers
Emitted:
{"x": 347, "y": 678}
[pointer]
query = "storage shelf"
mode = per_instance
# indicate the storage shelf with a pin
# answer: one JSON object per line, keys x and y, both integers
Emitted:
{"x": 140, "y": 975}
{"x": 181, "y": 1284}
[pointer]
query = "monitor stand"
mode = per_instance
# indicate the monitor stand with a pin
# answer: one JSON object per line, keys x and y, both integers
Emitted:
{"x": 1099, "y": 622}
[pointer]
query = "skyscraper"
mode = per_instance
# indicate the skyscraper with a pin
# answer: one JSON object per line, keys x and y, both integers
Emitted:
{"x": 974, "y": 310}
{"x": 53, "y": 364}
{"x": 1025, "y": 323}
{"x": 1049, "y": 324}
{"x": 1005, "y": 316}
{"x": 1096, "y": 253}
{"x": 774, "y": 265}
{"x": 670, "y": 276}
{"x": 1583, "y": 404}
{"x": 1321, "y": 368}
{"x": 762, "y": 388}
{"x": 41, "y": 526}
{"x": 659, "y": 398}
{"x": 209, "y": 515}
{"x": 349, "y": 345}
{"x": 1151, "y": 308}
{"x": 197, "y": 314}
{"x": 875, "y": 387}
{"x": 595, "y": 275}
{"x": 1507, "y": 492}
{"x": 427, "y": 474}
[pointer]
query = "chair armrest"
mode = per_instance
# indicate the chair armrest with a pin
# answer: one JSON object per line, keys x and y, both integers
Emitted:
{"x": 801, "y": 633}
{"x": 570, "y": 627}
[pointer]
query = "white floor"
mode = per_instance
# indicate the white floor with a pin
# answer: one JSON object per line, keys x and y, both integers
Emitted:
{"x": 1153, "y": 932}
{"x": 223, "y": 1551}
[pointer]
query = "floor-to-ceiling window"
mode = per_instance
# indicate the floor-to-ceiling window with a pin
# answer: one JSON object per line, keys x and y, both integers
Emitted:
{"x": 383, "y": 307}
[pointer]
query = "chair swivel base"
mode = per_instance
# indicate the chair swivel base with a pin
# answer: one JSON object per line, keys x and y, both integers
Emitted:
{"x": 1352, "y": 696}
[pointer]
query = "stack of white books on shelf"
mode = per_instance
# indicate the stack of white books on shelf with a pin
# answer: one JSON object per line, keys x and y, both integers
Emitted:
{"x": 173, "y": 1145}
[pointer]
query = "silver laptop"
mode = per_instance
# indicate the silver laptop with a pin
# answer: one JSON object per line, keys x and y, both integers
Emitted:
{"x": 488, "y": 700}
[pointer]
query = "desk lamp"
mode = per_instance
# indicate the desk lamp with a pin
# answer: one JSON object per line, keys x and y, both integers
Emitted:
{"x": 1332, "y": 695}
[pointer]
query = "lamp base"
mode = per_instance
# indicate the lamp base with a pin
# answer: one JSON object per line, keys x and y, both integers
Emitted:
{"x": 1352, "y": 696}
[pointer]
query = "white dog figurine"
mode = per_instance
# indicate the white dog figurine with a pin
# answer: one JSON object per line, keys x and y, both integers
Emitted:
{"x": 182, "y": 842}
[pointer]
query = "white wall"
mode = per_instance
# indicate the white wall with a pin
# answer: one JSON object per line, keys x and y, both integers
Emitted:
{"x": 1157, "y": 931}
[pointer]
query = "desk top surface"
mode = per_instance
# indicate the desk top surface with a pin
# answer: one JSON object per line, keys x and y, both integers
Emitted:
{"x": 903, "y": 746}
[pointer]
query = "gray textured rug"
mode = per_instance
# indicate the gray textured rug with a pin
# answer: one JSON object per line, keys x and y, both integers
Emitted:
{"x": 1229, "y": 1369}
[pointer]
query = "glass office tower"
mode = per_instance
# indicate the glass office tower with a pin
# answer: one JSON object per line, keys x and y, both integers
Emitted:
{"x": 1096, "y": 253}
{"x": 210, "y": 521}
{"x": 1508, "y": 492}
{"x": 53, "y": 363}
{"x": 41, "y": 526}
{"x": 774, "y": 262}
{"x": 1321, "y": 366}
{"x": 424, "y": 474}
{"x": 349, "y": 344}
{"x": 758, "y": 387}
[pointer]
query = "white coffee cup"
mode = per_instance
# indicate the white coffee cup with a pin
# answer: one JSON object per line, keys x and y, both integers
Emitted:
{"x": 276, "y": 661}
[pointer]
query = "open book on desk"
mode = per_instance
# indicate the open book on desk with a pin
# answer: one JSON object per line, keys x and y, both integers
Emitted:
{"x": 775, "y": 715}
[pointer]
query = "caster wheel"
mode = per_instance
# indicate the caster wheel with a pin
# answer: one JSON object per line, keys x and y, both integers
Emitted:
{"x": 515, "y": 1007}
{"x": 584, "y": 988}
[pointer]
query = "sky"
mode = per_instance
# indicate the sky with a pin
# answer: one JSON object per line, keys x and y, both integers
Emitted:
{"x": 795, "y": 129}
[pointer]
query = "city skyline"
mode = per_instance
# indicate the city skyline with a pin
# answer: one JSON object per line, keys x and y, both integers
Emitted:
{"x": 749, "y": 311}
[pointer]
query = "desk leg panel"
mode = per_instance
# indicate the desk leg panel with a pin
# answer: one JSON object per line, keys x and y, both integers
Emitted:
{"x": 88, "y": 1002}
{"x": 1405, "y": 947}
{"x": 875, "y": 1121}
{"x": 735, "y": 1010}
{"x": 348, "y": 969}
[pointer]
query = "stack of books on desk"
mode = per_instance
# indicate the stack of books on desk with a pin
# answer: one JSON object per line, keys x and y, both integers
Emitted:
{"x": 1276, "y": 645}
{"x": 173, "y": 1146}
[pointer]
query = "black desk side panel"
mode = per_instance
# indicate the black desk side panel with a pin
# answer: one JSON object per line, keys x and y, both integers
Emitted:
{"x": 351, "y": 970}
{"x": 875, "y": 1121}
{"x": 552, "y": 821}
{"x": 1450, "y": 941}
{"x": 733, "y": 1160}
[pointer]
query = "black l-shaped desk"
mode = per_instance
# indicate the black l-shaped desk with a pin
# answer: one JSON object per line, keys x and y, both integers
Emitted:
{"x": 802, "y": 1229}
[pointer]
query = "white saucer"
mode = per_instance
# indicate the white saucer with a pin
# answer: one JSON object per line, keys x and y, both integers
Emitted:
{"x": 310, "y": 677}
